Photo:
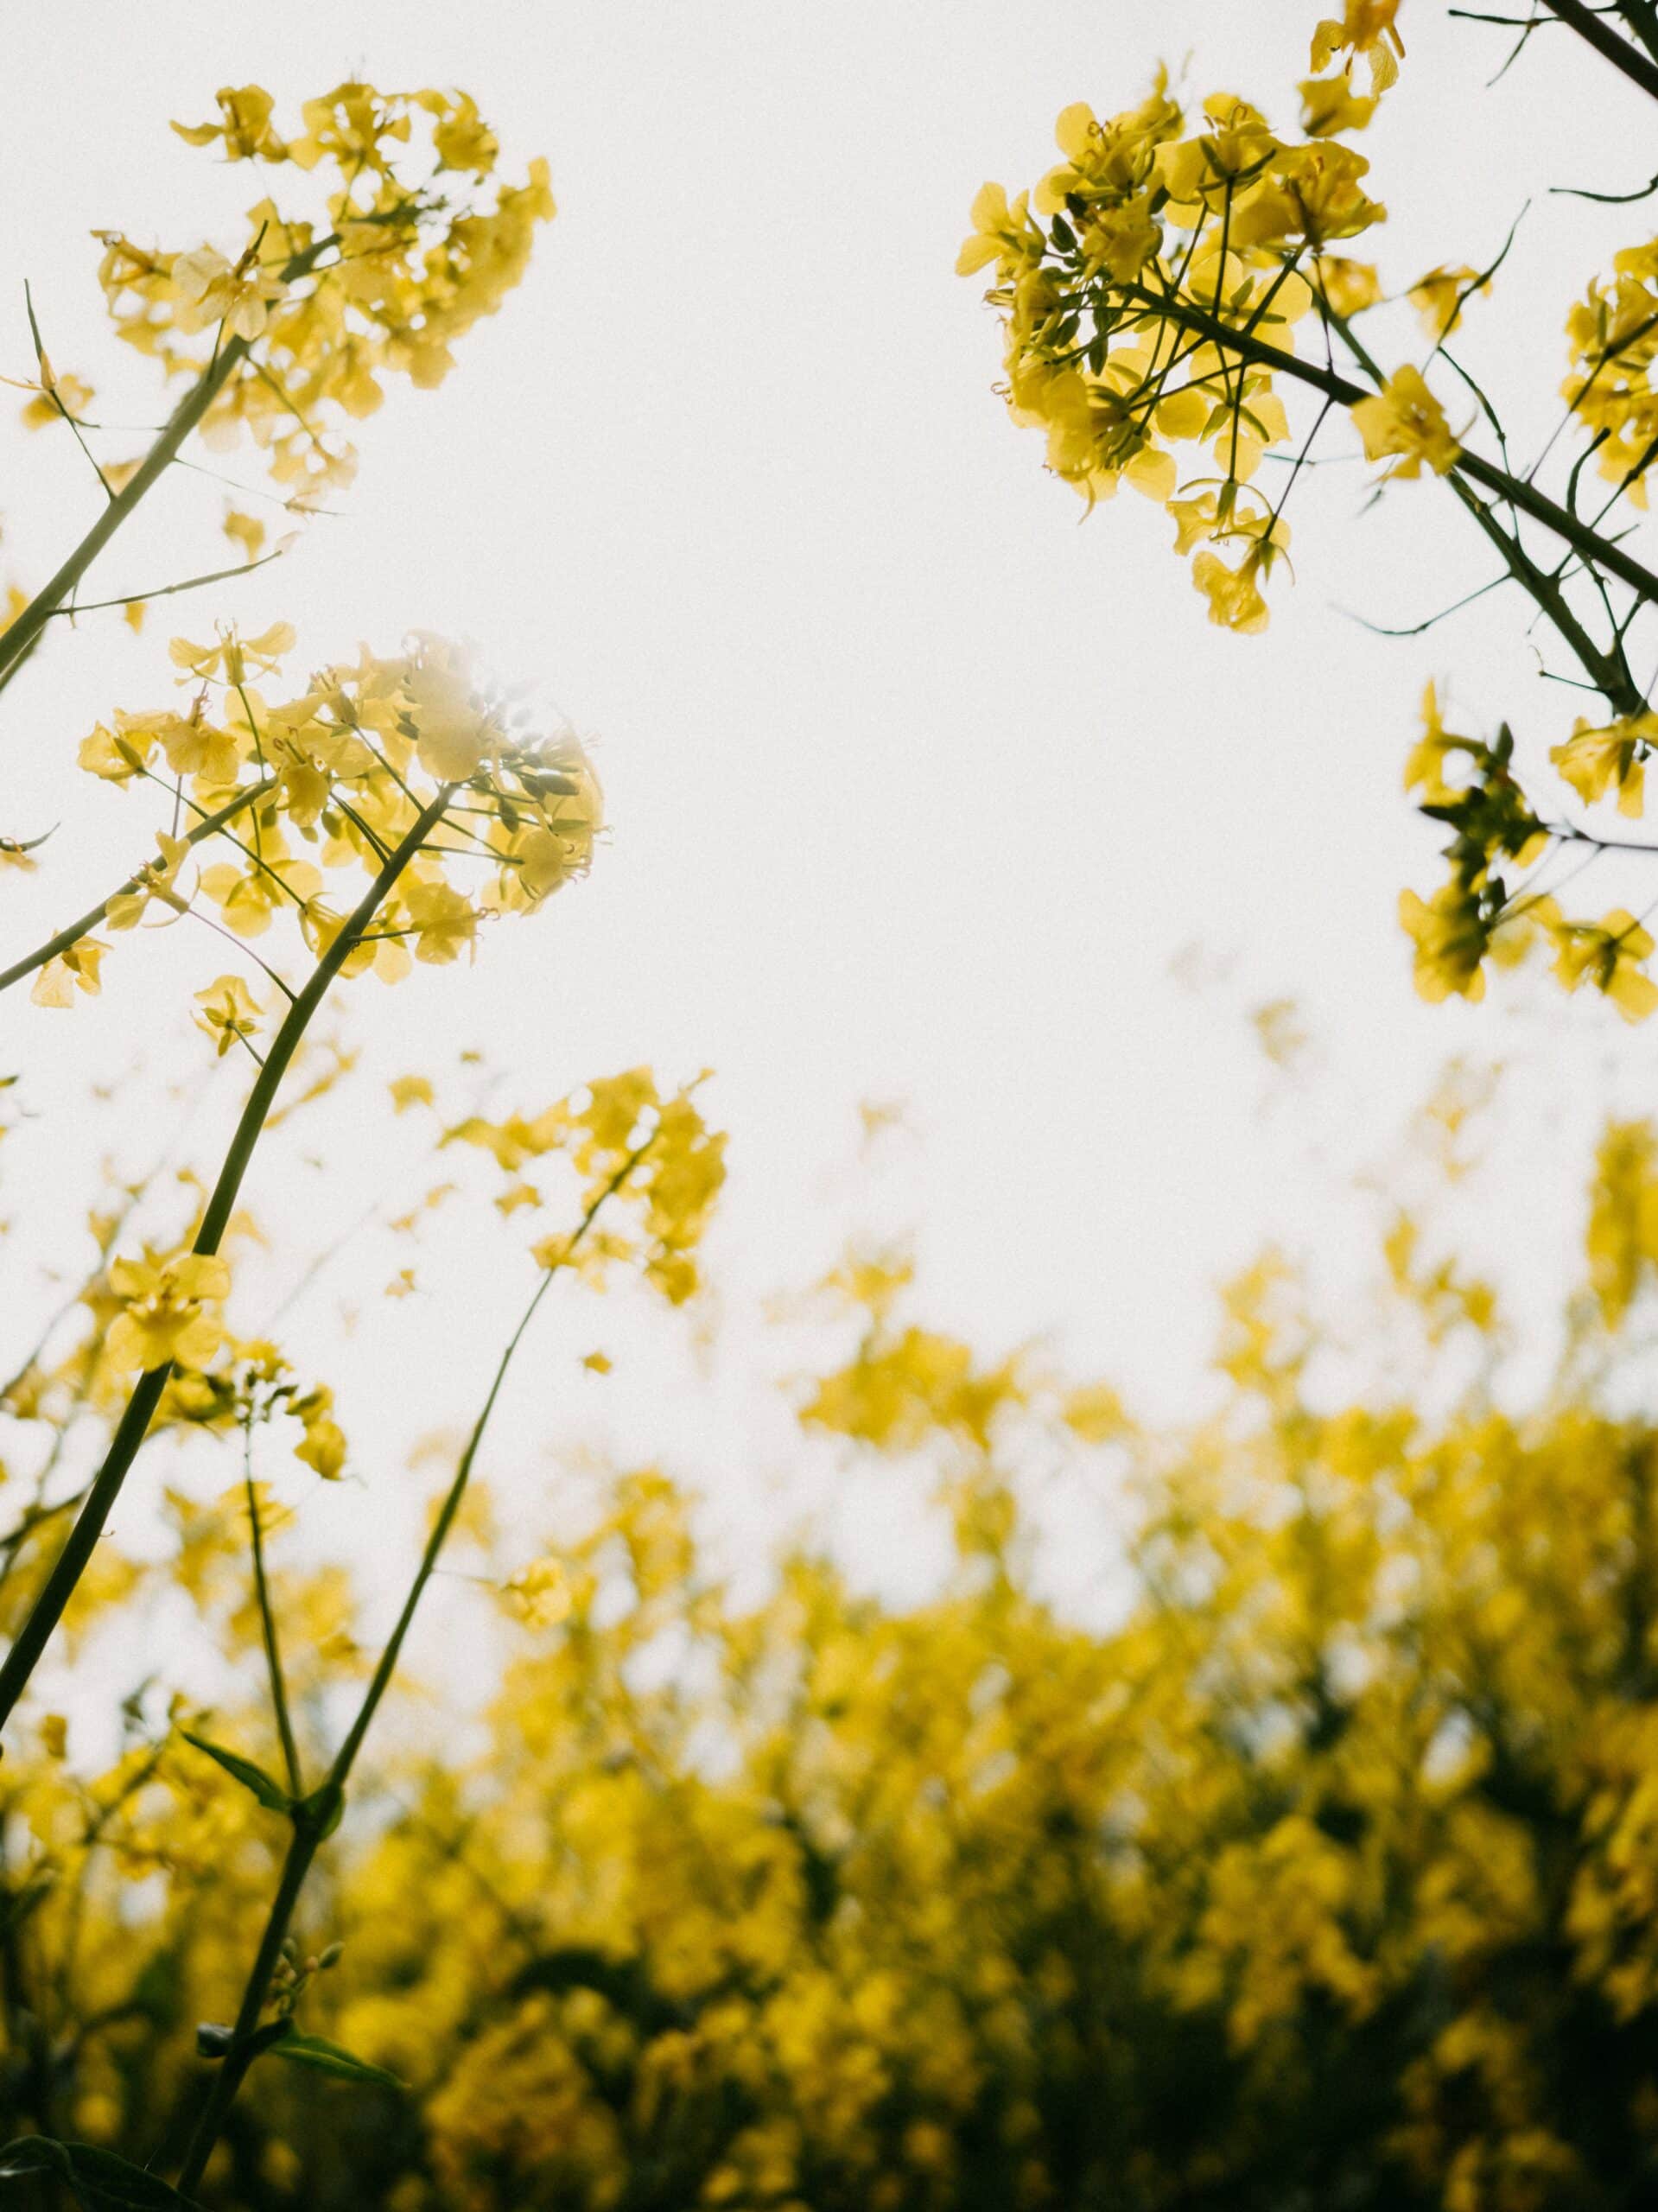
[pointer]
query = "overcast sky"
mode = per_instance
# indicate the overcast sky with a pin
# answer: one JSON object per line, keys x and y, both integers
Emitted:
{"x": 919, "y": 781}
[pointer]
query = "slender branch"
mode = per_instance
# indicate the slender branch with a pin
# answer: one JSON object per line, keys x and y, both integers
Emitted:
{"x": 314, "y": 1816}
{"x": 381, "y": 1679}
{"x": 21, "y": 635}
{"x": 267, "y": 1621}
{"x": 1595, "y": 31}
{"x": 1512, "y": 490}
{"x": 91, "y": 918}
{"x": 245, "y": 2042}
{"x": 72, "y": 1563}
{"x": 166, "y": 591}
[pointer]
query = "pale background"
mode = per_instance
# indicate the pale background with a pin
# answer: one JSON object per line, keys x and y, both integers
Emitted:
{"x": 919, "y": 781}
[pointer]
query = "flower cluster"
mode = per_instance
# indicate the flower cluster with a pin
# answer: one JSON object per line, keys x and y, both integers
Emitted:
{"x": 1327, "y": 1846}
{"x": 620, "y": 1136}
{"x": 414, "y": 241}
{"x": 1151, "y": 283}
{"x": 1479, "y": 911}
{"x": 304, "y": 791}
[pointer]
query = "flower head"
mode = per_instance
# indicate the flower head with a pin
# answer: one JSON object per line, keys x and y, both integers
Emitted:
{"x": 227, "y": 1010}
{"x": 1405, "y": 419}
{"x": 165, "y": 1310}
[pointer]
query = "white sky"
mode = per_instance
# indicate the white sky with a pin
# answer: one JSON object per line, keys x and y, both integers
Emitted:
{"x": 917, "y": 781}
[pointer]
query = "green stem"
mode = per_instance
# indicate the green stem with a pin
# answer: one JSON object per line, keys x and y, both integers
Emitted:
{"x": 316, "y": 1815}
{"x": 1596, "y": 32}
{"x": 24, "y": 632}
{"x": 72, "y": 1562}
{"x": 268, "y": 1625}
{"x": 93, "y": 915}
{"x": 309, "y": 1826}
{"x": 1609, "y": 672}
{"x": 1514, "y": 491}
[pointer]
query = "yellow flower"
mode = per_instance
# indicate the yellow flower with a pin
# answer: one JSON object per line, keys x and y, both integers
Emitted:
{"x": 1330, "y": 105}
{"x": 245, "y": 530}
{"x": 212, "y": 289}
{"x": 1594, "y": 760}
{"x": 43, "y": 410}
{"x": 249, "y": 899}
{"x": 1452, "y": 940}
{"x": 442, "y": 920}
{"x": 1439, "y": 297}
{"x": 1004, "y": 234}
{"x": 324, "y": 1446}
{"x": 1366, "y": 28}
{"x": 154, "y": 879}
{"x": 75, "y": 970}
{"x": 455, "y": 732}
{"x": 541, "y": 1593}
{"x": 1425, "y": 763}
{"x": 227, "y": 1010}
{"x": 194, "y": 747}
{"x": 1348, "y": 287}
{"x": 231, "y": 660}
{"x": 1405, "y": 419}
{"x": 460, "y": 137}
{"x": 164, "y": 1313}
{"x": 1609, "y": 954}
{"x": 1233, "y": 594}
{"x": 245, "y": 128}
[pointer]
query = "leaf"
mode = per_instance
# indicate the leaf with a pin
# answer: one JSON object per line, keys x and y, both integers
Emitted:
{"x": 269, "y": 1792}
{"x": 99, "y": 2181}
{"x": 328, "y": 2058}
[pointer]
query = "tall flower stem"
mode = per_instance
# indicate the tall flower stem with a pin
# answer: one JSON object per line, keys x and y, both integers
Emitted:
{"x": 72, "y": 1562}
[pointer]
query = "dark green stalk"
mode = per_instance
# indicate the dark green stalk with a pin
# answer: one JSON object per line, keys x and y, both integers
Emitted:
{"x": 72, "y": 1563}
{"x": 314, "y": 1817}
{"x": 1596, "y": 31}
{"x": 24, "y": 634}
{"x": 268, "y": 1625}
{"x": 1514, "y": 491}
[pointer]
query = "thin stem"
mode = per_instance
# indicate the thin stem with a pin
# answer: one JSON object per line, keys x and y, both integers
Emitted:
{"x": 1512, "y": 490}
{"x": 94, "y": 915}
{"x": 72, "y": 1563}
{"x": 315, "y": 1815}
{"x": 1596, "y": 32}
{"x": 243, "y": 2046}
{"x": 166, "y": 591}
{"x": 21, "y": 635}
{"x": 267, "y": 1620}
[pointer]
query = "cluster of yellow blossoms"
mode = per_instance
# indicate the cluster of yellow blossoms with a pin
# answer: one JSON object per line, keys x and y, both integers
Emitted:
{"x": 619, "y": 1135}
{"x": 412, "y": 247}
{"x": 1477, "y": 913}
{"x": 1153, "y": 288}
{"x": 305, "y": 791}
{"x": 1319, "y": 1865}
{"x": 1149, "y": 281}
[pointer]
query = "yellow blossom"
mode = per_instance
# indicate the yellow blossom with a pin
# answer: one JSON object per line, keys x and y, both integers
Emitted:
{"x": 58, "y": 395}
{"x": 1609, "y": 955}
{"x": 1366, "y": 26}
{"x": 1594, "y": 760}
{"x": 166, "y": 1310}
{"x": 1001, "y": 234}
{"x": 1329, "y": 105}
{"x": 69, "y": 972}
{"x": 228, "y": 1011}
{"x": 1405, "y": 419}
{"x": 1452, "y": 940}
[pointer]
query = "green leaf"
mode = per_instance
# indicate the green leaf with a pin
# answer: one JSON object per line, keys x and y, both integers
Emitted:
{"x": 269, "y": 1792}
{"x": 328, "y": 2058}
{"x": 97, "y": 2180}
